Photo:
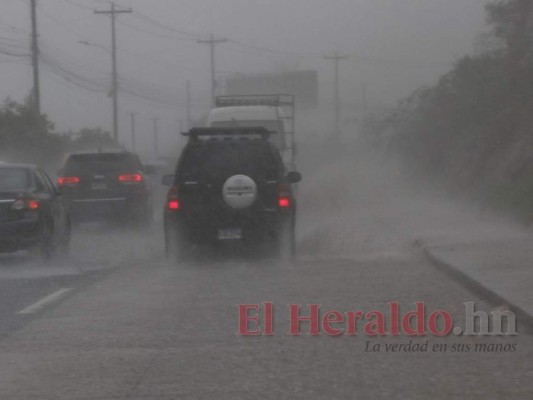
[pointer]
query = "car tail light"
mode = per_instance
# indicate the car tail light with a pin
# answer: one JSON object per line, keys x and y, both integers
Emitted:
{"x": 284, "y": 202}
{"x": 33, "y": 204}
{"x": 130, "y": 178}
{"x": 284, "y": 196}
{"x": 68, "y": 180}
{"x": 26, "y": 204}
{"x": 173, "y": 204}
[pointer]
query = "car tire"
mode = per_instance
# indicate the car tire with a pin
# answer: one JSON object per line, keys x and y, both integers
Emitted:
{"x": 44, "y": 248}
{"x": 175, "y": 247}
{"x": 286, "y": 242}
{"x": 147, "y": 217}
{"x": 64, "y": 246}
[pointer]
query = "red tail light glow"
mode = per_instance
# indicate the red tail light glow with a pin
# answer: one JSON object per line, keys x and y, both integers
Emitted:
{"x": 284, "y": 198}
{"x": 33, "y": 204}
{"x": 173, "y": 204}
{"x": 284, "y": 202}
{"x": 130, "y": 178}
{"x": 26, "y": 204}
{"x": 68, "y": 180}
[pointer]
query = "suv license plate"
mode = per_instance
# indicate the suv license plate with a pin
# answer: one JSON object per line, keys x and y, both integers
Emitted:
{"x": 99, "y": 186}
{"x": 230, "y": 234}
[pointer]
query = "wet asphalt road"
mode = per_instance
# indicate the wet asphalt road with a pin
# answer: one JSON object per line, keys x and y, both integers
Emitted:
{"x": 159, "y": 331}
{"x": 97, "y": 249}
{"x": 153, "y": 330}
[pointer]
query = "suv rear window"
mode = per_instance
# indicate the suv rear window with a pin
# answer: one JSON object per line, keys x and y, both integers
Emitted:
{"x": 222, "y": 158}
{"x": 278, "y": 139}
{"x": 101, "y": 162}
{"x": 12, "y": 179}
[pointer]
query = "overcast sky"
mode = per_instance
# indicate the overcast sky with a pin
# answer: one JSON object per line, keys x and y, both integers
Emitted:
{"x": 395, "y": 47}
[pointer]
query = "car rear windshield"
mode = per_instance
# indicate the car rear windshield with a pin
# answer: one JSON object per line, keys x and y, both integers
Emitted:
{"x": 232, "y": 157}
{"x": 13, "y": 179}
{"x": 105, "y": 162}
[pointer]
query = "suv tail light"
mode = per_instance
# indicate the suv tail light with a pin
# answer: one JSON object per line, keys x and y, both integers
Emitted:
{"x": 173, "y": 203}
{"x": 284, "y": 196}
{"x": 284, "y": 202}
{"x": 68, "y": 180}
{"x": 130, "y": 178}
{"x": 26, "y": 204}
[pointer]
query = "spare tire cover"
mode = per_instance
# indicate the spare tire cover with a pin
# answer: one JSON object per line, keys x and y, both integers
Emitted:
{"x": 239, "y": 191}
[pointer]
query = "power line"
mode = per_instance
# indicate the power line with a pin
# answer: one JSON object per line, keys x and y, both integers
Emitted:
{"x": 152, "y": 33}
{"x": 78, "y": 5}
{"x": 61, "y": 24}
{"x": 6, "y": 61}
{"x": 275, "y": 51}
{"x": 97, "y": 81}
{"x": 11, "y": 54}
{"x": 13, "y": 29}
{"x": 154, "y": 22}
{"x": 191, "y": 36}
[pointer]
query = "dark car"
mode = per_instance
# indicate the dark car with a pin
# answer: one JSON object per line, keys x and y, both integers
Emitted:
{"x": 106, "y": 183}
{"x": 230, "y": 185}
{"x": 33, "y": 214}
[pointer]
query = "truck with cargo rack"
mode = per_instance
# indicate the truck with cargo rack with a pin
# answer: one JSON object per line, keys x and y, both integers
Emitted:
{"x": 273, "y": 112}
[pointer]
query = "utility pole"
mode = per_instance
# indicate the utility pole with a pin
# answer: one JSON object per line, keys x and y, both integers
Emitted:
{"x": 35, "y": 59}
{"x": 156, "y": 138}
{"x": 133, "y": 147}
{"x": 336, "y": 58}
{"x": 212, "y": 42}
{"x": 188, "y": 109}
{"x": 114, "y": 85}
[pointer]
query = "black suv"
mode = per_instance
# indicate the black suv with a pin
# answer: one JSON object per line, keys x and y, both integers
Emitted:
{"x": 230, "y": 184}
{"x": 112, "y": 182}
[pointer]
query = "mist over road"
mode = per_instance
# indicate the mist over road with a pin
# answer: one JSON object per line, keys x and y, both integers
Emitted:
{"x": 150, "y": 330}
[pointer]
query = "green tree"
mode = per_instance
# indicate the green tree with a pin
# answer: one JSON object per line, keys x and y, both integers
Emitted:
{"x": 26, "y": 137}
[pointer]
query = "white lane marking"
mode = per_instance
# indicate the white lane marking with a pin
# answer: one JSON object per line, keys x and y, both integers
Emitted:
{"x": 46, "y": 301}
{"x": 96, "y": 200}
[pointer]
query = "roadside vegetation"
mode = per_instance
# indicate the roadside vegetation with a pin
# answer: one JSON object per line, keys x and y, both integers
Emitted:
{"x": 29, "y": 138}
{"x": 473, "y": 130}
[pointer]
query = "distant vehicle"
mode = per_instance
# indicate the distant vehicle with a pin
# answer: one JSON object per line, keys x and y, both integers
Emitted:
{"x": 230, "y": 185}
{"x": 33, "y": 214}
{"x": 273, "y": 112}
{"x": 111, "y": 183}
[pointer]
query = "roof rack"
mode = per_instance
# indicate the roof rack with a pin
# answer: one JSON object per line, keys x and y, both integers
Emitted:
{"x": 272, "y": 100}
{"x": 228, "y": 132}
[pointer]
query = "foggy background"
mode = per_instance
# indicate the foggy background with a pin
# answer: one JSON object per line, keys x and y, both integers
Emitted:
{"x": 394, "y": 48}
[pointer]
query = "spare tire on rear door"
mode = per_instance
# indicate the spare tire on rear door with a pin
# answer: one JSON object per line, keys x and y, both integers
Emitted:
{"x": 239, "y": 192}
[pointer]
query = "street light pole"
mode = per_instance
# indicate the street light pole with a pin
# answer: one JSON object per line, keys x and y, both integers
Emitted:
{"x": 336, "y": 58}
{"x": 156, "y": 138}
{"x": 133, "y": 147}
{"x": 35, "y": 59}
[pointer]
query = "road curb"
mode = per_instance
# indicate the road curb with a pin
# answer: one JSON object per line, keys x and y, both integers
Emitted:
{"x": 523, "y": 319}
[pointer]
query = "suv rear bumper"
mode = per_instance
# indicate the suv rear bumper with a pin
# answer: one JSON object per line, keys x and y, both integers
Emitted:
{"x": 106, "y": 205}
{"x": 258, "y": 227}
